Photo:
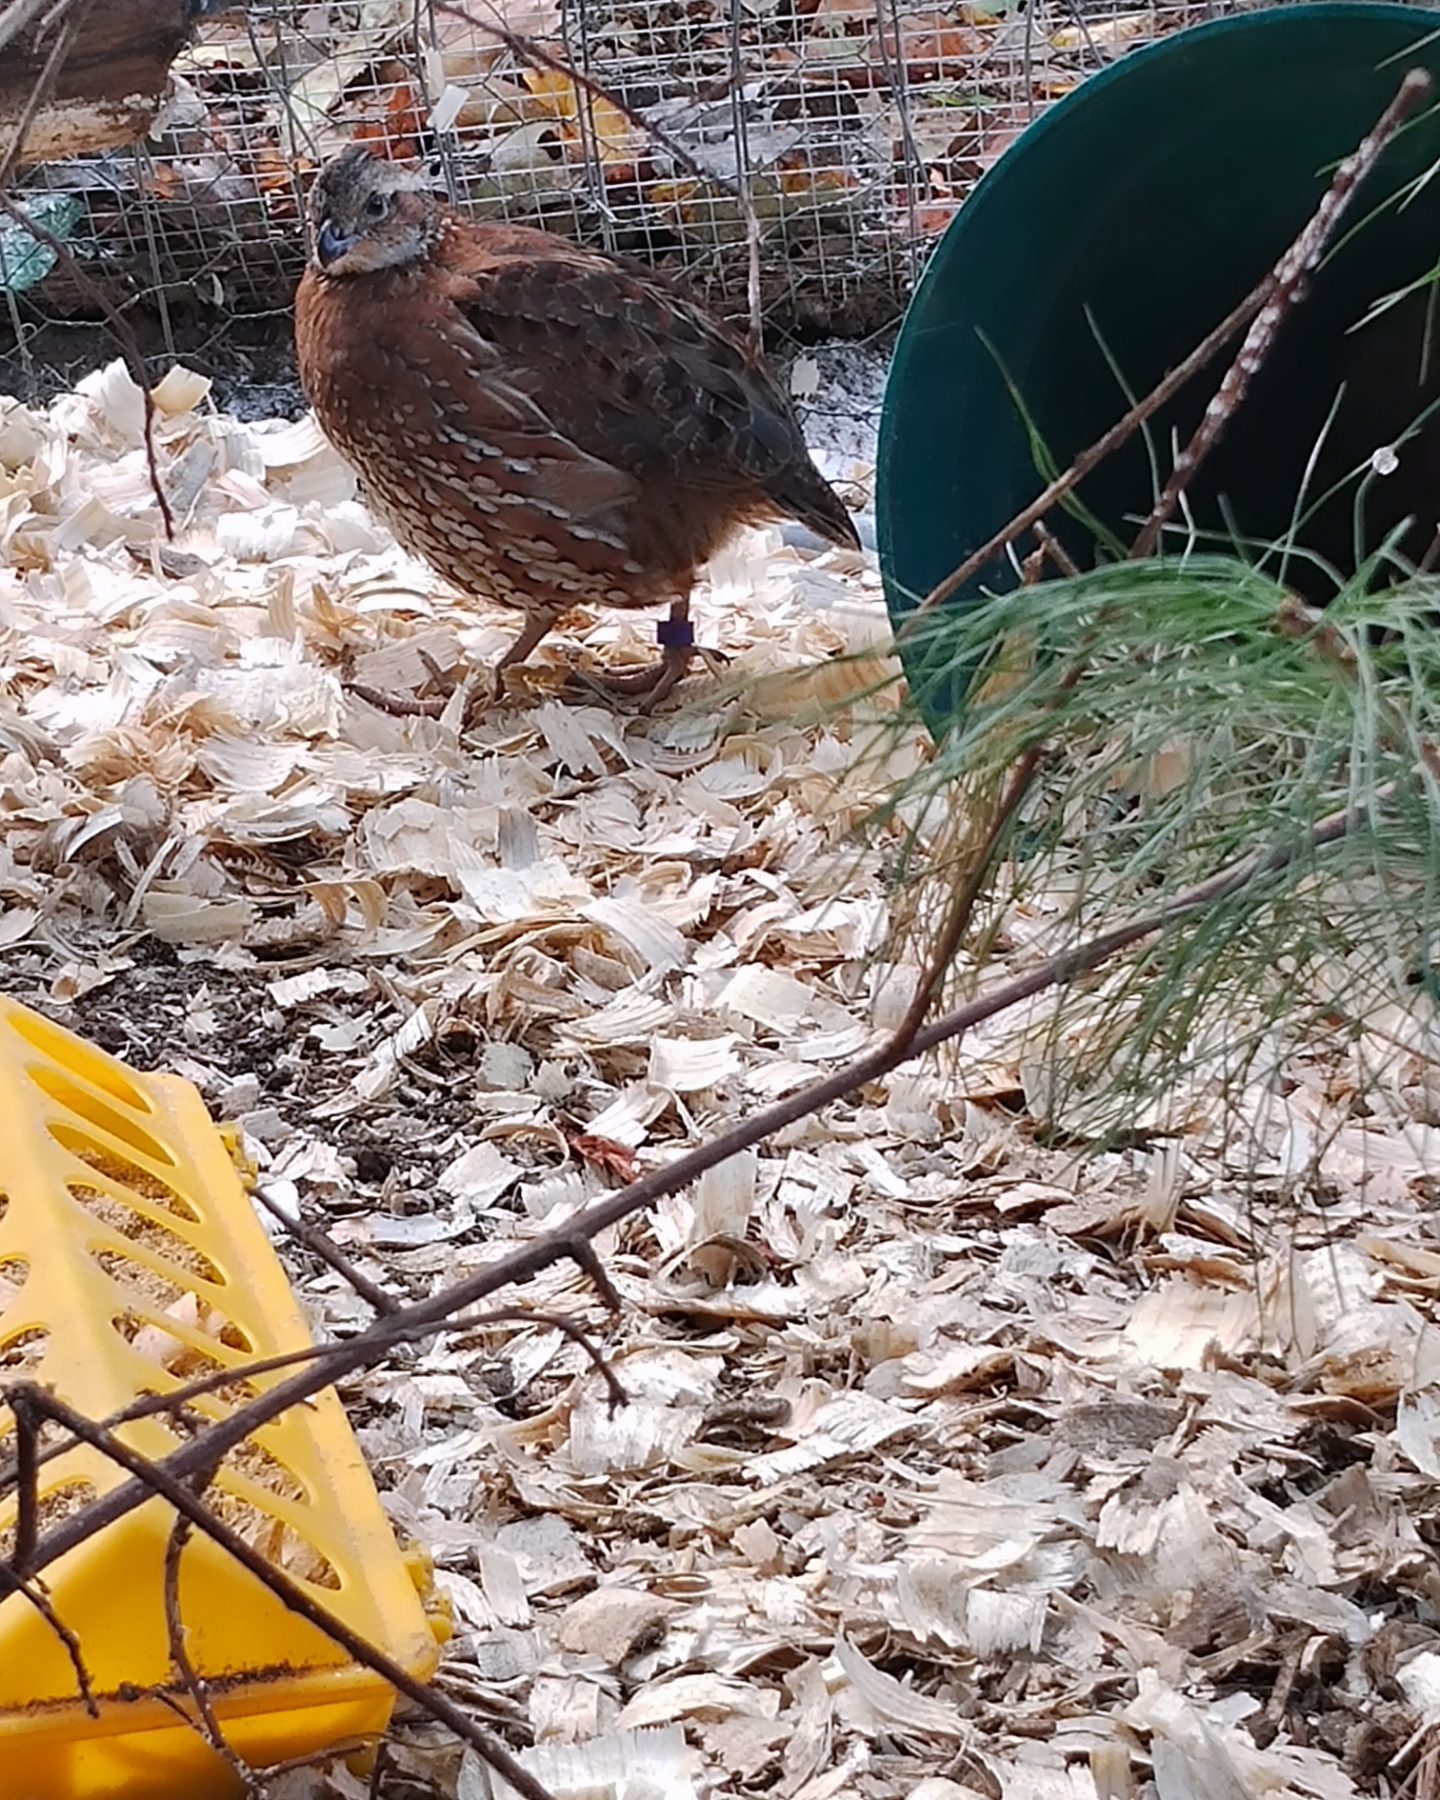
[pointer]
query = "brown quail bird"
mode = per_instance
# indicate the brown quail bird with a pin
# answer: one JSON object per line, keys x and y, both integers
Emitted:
{"x": 543, "y": 427}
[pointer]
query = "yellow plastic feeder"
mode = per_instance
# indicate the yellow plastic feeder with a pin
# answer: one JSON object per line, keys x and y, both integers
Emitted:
{"x": 132, "y": 1263}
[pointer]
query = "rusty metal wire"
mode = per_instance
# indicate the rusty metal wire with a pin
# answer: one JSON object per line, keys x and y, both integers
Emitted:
{"x": 856, "y": 127}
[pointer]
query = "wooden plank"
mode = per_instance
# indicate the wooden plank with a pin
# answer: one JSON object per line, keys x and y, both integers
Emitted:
{"x": 112, "y": 83}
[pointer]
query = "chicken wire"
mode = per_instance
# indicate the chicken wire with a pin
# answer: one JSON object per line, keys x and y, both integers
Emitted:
{"x": 855, "y": 127}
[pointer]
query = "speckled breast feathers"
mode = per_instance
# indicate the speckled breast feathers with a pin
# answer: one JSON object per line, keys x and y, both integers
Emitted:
{"x": 542, "y": 426}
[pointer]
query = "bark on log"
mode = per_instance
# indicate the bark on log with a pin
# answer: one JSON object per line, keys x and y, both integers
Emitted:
{"x": 112, "y": 82}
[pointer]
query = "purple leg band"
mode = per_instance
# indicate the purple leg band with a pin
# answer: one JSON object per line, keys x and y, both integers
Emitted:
{"x": 675, "y": 634}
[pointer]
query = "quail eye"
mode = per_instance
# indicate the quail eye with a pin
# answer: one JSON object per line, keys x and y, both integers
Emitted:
{"x": 375, "y": 206}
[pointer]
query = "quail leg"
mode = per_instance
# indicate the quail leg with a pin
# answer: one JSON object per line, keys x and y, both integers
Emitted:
{"x": 482, "y": 694}
{"x": 537, "y": 625}
{"x": 676, "y": 636}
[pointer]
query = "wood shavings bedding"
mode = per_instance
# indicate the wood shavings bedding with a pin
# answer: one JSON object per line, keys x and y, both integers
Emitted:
{"x": 953, "y": 1467}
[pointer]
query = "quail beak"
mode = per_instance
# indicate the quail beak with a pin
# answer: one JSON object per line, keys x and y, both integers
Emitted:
{"x": 331, "y": 245}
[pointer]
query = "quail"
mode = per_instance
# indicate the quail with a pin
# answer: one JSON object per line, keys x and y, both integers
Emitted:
{"x": 544, "y": 427}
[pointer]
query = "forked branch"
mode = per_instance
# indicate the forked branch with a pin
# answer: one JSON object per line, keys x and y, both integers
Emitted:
{"x": 1263, "y": 310}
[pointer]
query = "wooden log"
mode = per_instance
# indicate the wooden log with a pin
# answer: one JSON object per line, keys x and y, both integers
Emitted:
{"x": 112, "y": 82}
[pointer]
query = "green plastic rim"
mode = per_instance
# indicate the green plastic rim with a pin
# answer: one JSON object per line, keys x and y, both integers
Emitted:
{"x": 1124, "y": 225}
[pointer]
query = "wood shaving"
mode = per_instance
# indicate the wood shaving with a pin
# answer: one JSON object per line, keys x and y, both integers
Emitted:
{"x": 952, "y": 1467}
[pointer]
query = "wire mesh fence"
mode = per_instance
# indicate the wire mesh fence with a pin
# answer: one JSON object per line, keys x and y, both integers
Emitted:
{"x": 855, "y": 128}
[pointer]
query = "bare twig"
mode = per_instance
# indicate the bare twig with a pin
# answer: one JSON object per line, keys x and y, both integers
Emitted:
{"x": 1056, "y": 551}
{"x": 153, "y": 1476}
{"x": 124, "y": 336}
{"x": 587, "y": 1259}
{"x": 1003, "y": 811}
{"x": 10, "y": 1582}
{"x": 967, "y": 896}
{"x": 1088, "y": 460}
{"x": 320, "y": 1244}
{"x": 537, "y": 55}
{"x": 742, "y": 184}
{"x": 18, "y": 17}
{"x": 1287, "y": 291}
{"x": 180, "y": 1533}
{"x": 522, "y": 1264}
{"x": 73, "y": 11}
{"x": 19, "y": 1476}
{"x": 1248, "y": 312}
{"x": 27, "y": 1482}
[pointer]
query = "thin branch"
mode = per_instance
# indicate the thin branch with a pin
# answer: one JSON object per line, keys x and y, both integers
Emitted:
{"x": 967, "y": 895}
{"x": 1288, "y": 290}
{"x": 1003, "y": 811}
{"x": 587, "y": 1259}
{"x": 530, "y": 51}
{"x": 14, "y": 1477}
{"x": 321, "y": 1244}
{"x": 40, "y": 1600}
{"x": 1089, "y": 460}
{"x": 18, "y": 17}
{"x": 154, "y": 1478}
{"x": 1056, "y": 551}
{"x": 70, "y": 17}
{"x": 124, "y": 336}
{"x": 520, "y": 1265}
{"x": 389, "y": 1336}
{"x": 742, "y": 183}
{"x": 27, "y": 1516}
{"x": 1247, "y": 313}
{"x": 27, "y": 1485}
{"x": 180, "y": 1533}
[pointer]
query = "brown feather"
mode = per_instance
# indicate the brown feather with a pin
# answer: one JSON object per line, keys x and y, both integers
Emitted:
{"x": 541, "y": 425}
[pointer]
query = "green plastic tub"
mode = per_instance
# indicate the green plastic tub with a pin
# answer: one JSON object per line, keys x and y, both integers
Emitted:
{"x": 1150, "y": 201}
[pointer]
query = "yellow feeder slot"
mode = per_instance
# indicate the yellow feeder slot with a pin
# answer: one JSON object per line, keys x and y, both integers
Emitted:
{"x": 131, "y": 1263}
